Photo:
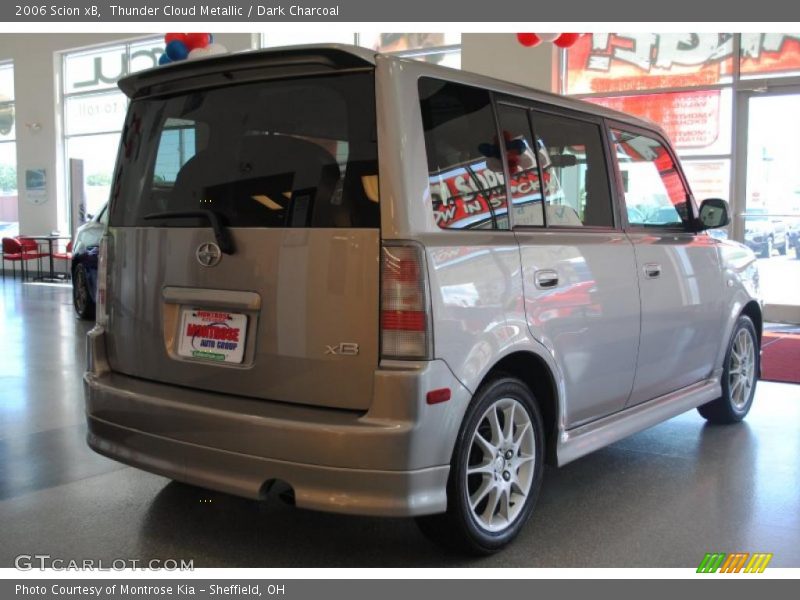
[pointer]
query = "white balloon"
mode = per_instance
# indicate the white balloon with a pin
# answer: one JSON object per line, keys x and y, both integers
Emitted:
{"x": 198, "y": 53}
{"x": 548, "y": 37}
{"x": 216, "y": 49}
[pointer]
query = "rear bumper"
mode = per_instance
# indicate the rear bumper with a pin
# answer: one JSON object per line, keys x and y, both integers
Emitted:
{"x": 392, "y": 460}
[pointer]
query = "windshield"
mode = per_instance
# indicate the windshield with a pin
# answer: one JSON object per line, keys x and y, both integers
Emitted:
{"x": 290, "y": 153}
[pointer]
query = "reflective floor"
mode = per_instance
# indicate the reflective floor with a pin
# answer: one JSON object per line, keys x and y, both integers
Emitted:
{"x": 661, "y": 498}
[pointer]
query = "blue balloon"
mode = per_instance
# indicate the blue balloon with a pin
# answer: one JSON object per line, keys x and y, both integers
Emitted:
{"x": 177, "y": 50}
{"x": 164, "y": 59}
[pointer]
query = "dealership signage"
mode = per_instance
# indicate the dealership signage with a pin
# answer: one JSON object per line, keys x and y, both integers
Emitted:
{"x": 619, "y": 62}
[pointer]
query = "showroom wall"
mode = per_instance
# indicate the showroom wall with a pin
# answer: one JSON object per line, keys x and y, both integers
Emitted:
{"x": 36, "y": 79}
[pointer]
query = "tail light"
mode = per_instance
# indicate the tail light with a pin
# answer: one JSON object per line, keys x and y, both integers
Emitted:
{"x": 405, "y": 312}
{"x": 101, "y": 311}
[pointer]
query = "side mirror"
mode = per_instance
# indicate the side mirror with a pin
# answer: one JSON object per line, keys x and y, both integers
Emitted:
{"x": 714, "y": 213}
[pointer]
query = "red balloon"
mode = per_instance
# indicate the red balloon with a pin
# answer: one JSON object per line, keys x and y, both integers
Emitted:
{"x": 565, "y": 40}
{"x": 528, "y": 39}
{"x": 197, "y": 40}
{"x": 170, "y": 37}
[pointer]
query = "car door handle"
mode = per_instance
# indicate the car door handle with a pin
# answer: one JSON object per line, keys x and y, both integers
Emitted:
{"x": 652, "y": 270}
{"x": 545, "y": 279}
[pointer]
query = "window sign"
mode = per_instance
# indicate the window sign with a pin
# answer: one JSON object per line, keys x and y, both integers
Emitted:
{"x": 101, "y": 69}
{"x": 619, "y": 62}
{"x": 145, "y": 55}
{"x": 95, "y": 113}
{"x": 697, "y": 122}
{"x": 708, "y": 178}
{"x": 770, "y": 54}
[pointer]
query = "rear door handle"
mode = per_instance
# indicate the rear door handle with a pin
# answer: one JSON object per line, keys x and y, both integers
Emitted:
{"x": 545, "y": 279}
{"x": 652, "y": 270}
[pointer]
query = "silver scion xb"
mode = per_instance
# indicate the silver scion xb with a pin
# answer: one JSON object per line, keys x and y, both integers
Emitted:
{"x": 401, "y": 289}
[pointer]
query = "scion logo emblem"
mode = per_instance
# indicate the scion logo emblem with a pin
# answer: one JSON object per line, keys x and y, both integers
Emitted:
{"x": 208, "y": 254}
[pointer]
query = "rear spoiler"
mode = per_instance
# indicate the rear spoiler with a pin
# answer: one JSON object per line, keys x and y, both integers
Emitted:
{"x": 246, "y": 66}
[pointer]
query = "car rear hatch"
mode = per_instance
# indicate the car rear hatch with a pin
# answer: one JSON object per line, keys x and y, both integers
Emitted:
{"x": 244, "y": 242}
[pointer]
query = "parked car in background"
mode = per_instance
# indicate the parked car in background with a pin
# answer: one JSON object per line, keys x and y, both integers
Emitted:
{"x": 764, "y": 233}
{"x": 84, "y": 263}
{"x": 793, "y": 233}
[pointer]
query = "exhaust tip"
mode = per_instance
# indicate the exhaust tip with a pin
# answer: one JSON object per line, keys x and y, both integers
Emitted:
{"x": 278, "y": 488}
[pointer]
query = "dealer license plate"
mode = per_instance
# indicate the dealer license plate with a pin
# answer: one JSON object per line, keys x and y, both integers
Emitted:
{"x": 212, "y": 335}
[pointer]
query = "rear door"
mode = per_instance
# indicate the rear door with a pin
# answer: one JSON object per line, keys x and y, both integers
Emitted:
{"x": 578, "y": 270}
{"x": 286, "y": 169}
{"x": 678, "y": 270}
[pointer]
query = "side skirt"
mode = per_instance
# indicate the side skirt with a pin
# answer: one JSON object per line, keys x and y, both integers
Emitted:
{"x": 574, "y": 443}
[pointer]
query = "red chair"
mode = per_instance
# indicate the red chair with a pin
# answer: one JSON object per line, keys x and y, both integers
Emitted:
{"x": 65, "y": 256}
{"x": 12, "y": 250}
{"x": 30, "y": 251}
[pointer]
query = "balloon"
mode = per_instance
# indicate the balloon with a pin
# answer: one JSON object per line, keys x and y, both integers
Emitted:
{"x": 197, "y": 40}
{"x": 216, "y": 49}
{"x": 164, "y": 60}
{"x": 548, "y": 37}
{"x": 181, "y": 37}
{"x": 177, "y": 50}
{"x": 198, "y": 53}
{"x": 565, "y": 40}
{"x": 528, "y": 39}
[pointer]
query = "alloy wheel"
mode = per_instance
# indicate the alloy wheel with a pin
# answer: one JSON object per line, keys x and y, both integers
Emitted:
{"x": 741, "y": 370}
{"x": 500, "y": 468}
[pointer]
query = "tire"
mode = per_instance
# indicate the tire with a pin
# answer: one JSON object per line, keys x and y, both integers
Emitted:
{"x": 81, "y": 295}
{"x": 506, "y": 464}
{"x": 742, "y": 365}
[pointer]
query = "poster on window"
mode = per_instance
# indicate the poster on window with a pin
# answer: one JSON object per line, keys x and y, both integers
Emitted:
{"x": 690, "y": 119}
{"x": 601, "y": 63}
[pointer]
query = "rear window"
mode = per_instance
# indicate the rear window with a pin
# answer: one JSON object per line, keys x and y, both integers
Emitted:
{"x": 292, "y": 153}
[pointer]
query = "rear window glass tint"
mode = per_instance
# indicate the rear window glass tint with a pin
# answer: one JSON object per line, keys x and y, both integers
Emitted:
{"x": 292, "y": 153}
{"x": 465, "y": 171}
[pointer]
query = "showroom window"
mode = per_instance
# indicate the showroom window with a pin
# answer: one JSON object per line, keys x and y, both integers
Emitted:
{"x": 439, "y": 48}
{"x": 679, "y": 80}
{"x": 9, "y": 219}
{"x": 94, "y": 112}
{"x": 731, "y": 105}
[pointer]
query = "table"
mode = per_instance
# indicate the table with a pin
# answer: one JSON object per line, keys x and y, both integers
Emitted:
{"x": 49, "y": 239}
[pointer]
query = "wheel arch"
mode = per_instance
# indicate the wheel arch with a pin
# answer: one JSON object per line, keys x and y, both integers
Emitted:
{"x": 533, "y": 371}
{"x": 753, "y": 310}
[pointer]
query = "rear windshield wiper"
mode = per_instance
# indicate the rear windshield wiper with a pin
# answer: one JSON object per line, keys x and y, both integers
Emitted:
{"x": 222, "y": 235}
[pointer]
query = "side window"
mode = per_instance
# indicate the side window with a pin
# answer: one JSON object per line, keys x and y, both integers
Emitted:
{"x": 574, "y": 171}
{"x": 654, "y": 192}
{"x": 465, "y": 173}
{"x": 523, "y": 172}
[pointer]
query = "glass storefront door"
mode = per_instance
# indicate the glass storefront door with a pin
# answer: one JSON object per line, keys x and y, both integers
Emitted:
{"x": 772, "y": 198}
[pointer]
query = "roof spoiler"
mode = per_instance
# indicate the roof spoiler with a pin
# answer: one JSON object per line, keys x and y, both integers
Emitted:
{"x": 246, "y": 66}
